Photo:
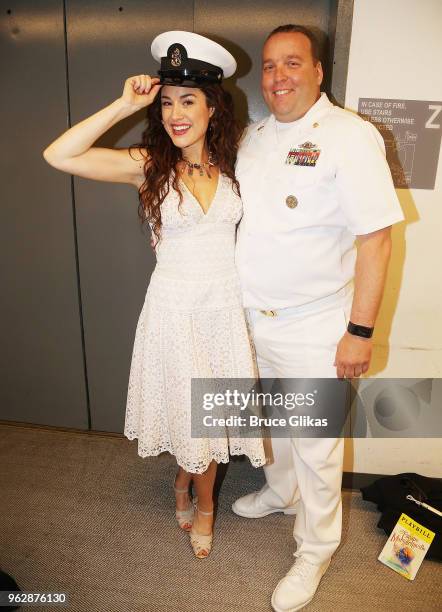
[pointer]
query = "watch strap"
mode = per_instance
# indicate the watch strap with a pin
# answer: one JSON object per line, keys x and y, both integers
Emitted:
{"x": 359, "y": 330}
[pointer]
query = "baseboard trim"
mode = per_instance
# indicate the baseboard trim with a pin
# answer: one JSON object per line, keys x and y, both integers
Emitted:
{"x": 56, "y": 428}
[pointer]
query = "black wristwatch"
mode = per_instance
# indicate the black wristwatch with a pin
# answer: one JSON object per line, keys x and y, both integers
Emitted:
{"x": 359, "y": 330}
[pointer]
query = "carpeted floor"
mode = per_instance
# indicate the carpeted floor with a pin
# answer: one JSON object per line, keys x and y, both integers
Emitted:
{"x": 84, "y": 514}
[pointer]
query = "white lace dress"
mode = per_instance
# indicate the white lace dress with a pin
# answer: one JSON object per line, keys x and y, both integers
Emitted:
{"x": 192, "y": 324}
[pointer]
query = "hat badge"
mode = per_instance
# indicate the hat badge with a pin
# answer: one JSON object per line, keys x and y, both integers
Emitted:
{"x": 175, "y": 59}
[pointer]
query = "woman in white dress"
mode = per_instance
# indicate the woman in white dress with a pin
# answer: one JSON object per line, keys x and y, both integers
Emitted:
{"x": 192, "y": 322}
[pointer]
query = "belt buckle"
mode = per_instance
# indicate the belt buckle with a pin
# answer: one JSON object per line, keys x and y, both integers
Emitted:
{"x": 269, "y": 313}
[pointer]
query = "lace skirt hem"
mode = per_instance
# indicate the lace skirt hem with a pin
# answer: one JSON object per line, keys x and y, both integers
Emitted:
{"x": 256, "y": 456}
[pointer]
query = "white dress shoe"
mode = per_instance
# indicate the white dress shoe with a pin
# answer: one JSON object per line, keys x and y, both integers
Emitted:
{"x": 298, "y": 586}
{"x": 258, "y": 504}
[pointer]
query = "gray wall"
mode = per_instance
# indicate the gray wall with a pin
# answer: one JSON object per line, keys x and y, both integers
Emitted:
{"x": 41, "y": 357}
{"x": 75, "y": 262}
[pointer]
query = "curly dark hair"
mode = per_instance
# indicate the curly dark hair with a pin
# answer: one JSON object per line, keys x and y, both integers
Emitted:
{"x": 160, "y": 166}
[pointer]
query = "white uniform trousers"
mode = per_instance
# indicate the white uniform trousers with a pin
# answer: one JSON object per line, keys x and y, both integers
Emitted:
{"x": 301, "y": 343}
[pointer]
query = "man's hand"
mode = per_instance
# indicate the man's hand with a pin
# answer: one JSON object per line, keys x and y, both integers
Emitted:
{"x": 353, "y": 353}
{"x": 353, "y": 356}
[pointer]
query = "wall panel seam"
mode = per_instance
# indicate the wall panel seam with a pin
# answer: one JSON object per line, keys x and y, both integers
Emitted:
{"x": 74, "y": 222}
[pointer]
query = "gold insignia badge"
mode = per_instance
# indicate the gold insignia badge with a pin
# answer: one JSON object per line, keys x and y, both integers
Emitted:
{"x": 176, "y": 57}
{"x": 291, "y": 201}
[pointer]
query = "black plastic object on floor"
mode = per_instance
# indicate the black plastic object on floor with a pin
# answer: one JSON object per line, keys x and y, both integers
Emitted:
{"x": 7, "y": 583}
{"x": 390, "y": 495}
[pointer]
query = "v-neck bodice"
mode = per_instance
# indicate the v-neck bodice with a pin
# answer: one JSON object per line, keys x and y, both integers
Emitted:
{"x": 176, "y": 217}
{"x": 195, "y": 199}
{"x": 196, "y": 253}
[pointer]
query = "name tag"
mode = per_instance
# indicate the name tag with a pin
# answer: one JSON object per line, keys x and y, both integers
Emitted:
{"x": 305, "y": 154}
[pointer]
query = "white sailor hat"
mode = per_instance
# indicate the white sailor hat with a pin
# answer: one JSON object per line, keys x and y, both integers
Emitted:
{"x": 188, "y": 59}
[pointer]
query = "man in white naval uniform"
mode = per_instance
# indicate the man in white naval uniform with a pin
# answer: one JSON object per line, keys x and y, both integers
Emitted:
{"x": 313, "y": 177}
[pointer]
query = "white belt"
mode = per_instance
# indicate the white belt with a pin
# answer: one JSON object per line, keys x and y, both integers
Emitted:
{"x": 313, "y": 305}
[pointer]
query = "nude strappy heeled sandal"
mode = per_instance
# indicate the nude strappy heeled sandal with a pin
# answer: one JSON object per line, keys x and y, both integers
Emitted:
{"x": 185, "y": 517}
{"x": 201, "y": 544}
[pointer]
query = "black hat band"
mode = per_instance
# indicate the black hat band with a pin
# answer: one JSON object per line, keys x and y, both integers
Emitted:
{"x": 177, "y": 68}
{"x": 186, "y": 76}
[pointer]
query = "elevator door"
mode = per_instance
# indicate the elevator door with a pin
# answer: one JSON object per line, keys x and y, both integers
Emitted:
{"x": 42, "y": 374}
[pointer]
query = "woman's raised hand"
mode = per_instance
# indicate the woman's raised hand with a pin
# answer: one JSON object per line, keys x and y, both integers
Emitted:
{"x": 140, "y": 91}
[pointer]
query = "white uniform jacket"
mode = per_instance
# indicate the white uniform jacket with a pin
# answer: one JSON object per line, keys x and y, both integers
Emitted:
{"x": 307, "y": 191}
